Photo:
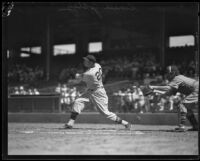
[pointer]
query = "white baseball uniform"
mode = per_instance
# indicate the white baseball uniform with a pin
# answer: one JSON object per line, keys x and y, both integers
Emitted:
{"x": 95, "y": 93}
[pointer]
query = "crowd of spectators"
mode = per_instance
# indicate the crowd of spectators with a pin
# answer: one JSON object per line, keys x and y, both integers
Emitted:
{"x": 126, "y": 100}
{"x": 186, "y": 68}
{"x": 135, "y": 67}
{"x": 133, "y": 100}
{"x": 67, "y": 73}
{"x": 129, "y": 100}
{"x": 68, "y": 96}
{"x": 21, "y": 90}
{"x": 132, "y": 67}
{"x": 21, "y": 73}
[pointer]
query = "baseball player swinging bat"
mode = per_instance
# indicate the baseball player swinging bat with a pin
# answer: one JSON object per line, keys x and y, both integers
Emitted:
{"x": 94, "y": 92}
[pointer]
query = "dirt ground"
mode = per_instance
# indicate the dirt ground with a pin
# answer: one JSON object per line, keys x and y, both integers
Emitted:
{"x": 99, "y": 139}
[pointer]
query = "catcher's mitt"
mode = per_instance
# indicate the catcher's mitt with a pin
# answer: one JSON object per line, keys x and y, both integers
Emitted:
{"x": 146, "y": 90}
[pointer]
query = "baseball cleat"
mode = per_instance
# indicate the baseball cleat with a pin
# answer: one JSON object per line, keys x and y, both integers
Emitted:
{"x": 128, "y": 126}
{"x": 66, "y": 126}
{"x": 180, "y": 129}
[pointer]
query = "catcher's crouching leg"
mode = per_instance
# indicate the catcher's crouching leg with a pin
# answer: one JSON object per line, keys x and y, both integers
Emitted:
{"x": 182, "y": 112}
{"x": 190, "y": 116}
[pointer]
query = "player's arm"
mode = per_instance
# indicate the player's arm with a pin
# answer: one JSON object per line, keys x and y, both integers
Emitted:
{"x": 170, "y": 91}
{"x": 161, "y": 88}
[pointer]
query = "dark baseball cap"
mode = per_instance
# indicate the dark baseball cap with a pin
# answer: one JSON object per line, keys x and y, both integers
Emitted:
{"x": 90, "y": 58}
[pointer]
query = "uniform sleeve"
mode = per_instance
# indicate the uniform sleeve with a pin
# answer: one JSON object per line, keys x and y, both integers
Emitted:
{"x": 175, "y": 83}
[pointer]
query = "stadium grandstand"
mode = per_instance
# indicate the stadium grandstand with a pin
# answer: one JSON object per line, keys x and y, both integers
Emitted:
{"x": 45, "y": 43}
{"x": 134, "y": 42}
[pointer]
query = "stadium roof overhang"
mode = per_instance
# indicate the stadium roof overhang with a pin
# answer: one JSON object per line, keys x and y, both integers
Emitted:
{"x": 28, "y": 21}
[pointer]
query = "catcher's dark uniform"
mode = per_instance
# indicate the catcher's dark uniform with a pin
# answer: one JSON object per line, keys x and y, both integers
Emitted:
{"x": 190, "y": 88}
{"x": 187, "y": 86}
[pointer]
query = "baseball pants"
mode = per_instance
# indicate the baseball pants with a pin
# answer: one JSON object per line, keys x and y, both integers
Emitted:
{"x": 99, "y": 99}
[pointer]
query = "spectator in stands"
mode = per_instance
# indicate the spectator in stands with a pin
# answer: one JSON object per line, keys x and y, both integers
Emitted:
{"x": 30, "y": 92}
{"x": 67, "y": 101}
{"x": 16, "y": 91}
{"x": 58, "y": 88}
{"x": 22, "y": 90}
{"x": 141, "y": 100}
{"x": 119, "y": 100}
{"x": 36, "y": 92}
{"x": 128, "y": 100}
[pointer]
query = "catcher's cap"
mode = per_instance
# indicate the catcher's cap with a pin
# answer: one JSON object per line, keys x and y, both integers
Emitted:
{"x": 172, "y": 68}
{"x": 90, "y": 58}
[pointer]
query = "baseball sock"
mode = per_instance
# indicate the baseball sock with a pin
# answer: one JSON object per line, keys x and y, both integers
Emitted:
{"x": 71, "y": 122}
{"x": 182, "y": 118}
{"x": 192, "y": 119}
{"x": 73, "y": 118}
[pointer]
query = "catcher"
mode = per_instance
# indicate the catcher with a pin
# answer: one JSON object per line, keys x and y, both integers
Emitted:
{"x": 184, "y": 85}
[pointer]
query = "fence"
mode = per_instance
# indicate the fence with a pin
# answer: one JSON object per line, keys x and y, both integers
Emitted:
{"x": 34, "y": 103}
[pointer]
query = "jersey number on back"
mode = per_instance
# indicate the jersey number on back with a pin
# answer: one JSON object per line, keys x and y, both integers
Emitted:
{"x": 98, "y": 74}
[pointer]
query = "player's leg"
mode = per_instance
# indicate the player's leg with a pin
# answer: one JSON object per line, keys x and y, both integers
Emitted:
{"x": 182, "y": 112}
{"x": 77, "y": 107}
{"x": 100, "y": 100}
{"x": 190, "y": 116}
{"x": 112, "y": 116}
{"x": 189, "y": 102}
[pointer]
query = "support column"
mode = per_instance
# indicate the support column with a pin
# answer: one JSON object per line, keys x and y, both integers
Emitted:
{"x": 47, "y": 47}
{"x": 105, "y": 37}
{"x": 197, "y": 47}
{"x": 82, "y": 44}
{"x": 162, "y": 38}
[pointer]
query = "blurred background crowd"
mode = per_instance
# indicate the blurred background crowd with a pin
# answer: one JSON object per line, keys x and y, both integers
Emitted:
{"x": 131, "y": 42}
{"x": 142, "y": 68}
{"x": 132, "y": 67}
{"x": 24, "y": 74}
{"x": 125, "y": 100}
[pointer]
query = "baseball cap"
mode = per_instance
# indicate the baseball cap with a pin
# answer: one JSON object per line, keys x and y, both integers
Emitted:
{"x": 90, "y": 58}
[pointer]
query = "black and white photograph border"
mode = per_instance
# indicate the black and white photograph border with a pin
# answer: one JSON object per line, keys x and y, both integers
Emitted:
{"x": 101, "y": 80}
